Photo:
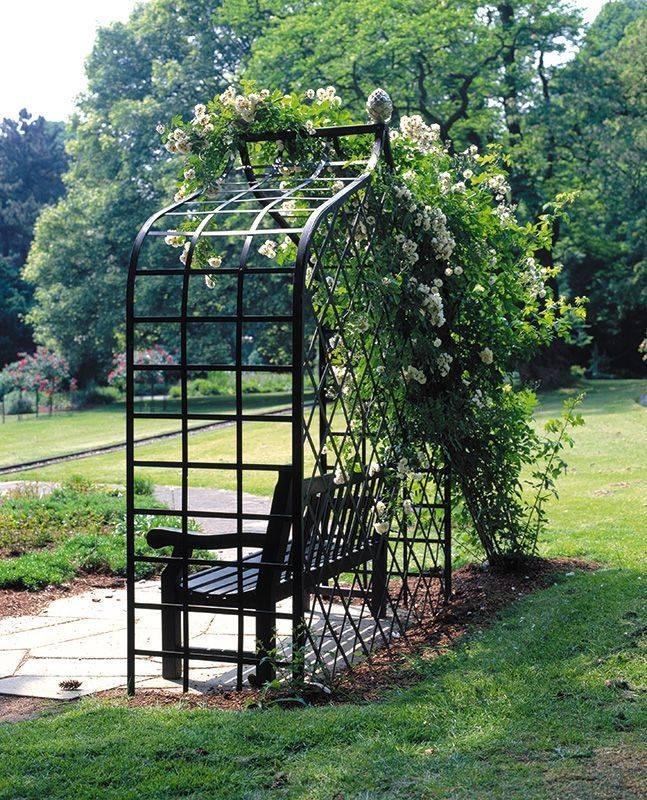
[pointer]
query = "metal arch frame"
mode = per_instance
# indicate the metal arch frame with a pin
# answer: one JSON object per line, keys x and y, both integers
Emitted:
{"x": 269, "y": 205}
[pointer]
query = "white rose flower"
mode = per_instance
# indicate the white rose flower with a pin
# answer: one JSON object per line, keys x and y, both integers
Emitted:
{"x": 174, "y": 241}
{"x": 487, "y": 356}
{"x": 268, "y": 248}
{"x": 340, "y": 476}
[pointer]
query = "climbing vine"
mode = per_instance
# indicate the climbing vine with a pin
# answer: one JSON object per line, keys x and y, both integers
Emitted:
{"x": 467, "y": 298}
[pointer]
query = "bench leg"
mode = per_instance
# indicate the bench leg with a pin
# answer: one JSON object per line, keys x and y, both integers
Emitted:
{"x": 171, "y": 628}
{"x": 379, "y": 583}
{"x": 266, "y": 644}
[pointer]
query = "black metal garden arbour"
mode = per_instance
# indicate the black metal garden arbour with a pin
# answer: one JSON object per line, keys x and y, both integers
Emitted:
{"x": 312, "y": 582}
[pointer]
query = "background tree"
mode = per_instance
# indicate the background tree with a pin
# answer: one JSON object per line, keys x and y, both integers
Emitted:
{"x": 485, "y": 74}
{"x": 32, "y": 160}
{"x": 601, "y": 150}
{"x": 42, "y": 372}
{"x": 502, "y": 74}
{"x": 170, "y": 54}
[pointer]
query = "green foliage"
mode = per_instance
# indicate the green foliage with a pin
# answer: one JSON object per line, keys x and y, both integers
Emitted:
{"x": 502, "y": 74}
{"x": 212, "y": 137}
{"x": 466, "y": 302}
{"x": 482, "y": 74}
{"x": 601, "y": 150}
{"x": 42, "y": 371}
{"x": 143, "y": 484}
{"x": 76, "y": 528}
{"x": 78, "y": 308}
{"x": 94, "y": 395}
{"x": 77, "y": 507}
{"x": 103, "y": 553}
{"x": 220, "y": 383}
{"x": 168, "y": 52}
{"x": 19, "y": 403}
{"x": 32, "y": 159}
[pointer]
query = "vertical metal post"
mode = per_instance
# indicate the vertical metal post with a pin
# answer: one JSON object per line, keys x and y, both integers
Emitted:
{"x": 447, "y": 523}
{"x": 239, "y": 461}
{"x": 298, "y": 605}
{"x": 323, "y": 411}
{"x": 186, "y": 278}
{"x": 130, "y": 473}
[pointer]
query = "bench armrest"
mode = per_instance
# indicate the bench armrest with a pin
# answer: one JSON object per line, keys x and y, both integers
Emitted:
{"x": 173, "y": 537}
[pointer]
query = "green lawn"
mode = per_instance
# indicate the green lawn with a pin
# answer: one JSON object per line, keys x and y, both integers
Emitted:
{"x": 32, "y": 438}
{"x": 519, "y": 711}
{"x": 603, "y": 496}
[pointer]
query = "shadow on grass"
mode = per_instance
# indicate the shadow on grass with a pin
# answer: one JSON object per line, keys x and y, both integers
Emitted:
{"x": 485, "y": 721}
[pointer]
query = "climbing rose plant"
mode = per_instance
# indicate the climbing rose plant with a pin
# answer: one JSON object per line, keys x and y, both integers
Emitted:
{"x": 467, "y": 300}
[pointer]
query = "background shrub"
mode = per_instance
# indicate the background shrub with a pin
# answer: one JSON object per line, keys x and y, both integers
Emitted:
{"x": 77, "y": 507}
{"x": 143, "y": 485}
{"x": 95, "y": 395}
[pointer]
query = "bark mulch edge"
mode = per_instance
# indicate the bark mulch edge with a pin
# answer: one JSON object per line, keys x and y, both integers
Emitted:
{"x": 478, "y": 597}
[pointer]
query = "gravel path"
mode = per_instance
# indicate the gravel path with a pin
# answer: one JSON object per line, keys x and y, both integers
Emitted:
{"x": 216, "y": 500}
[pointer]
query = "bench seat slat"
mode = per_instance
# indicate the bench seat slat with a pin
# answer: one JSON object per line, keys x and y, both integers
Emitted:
{"x": 222, "y": 582}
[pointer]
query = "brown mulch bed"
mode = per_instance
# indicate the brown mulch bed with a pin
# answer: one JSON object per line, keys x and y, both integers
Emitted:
{"x": 479, "y": 594}
{"x": 19, "y": 709}
{"x": 14, "y": 603}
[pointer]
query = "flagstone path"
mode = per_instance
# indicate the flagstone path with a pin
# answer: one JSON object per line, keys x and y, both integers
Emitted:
{"x": 76, "y": 645}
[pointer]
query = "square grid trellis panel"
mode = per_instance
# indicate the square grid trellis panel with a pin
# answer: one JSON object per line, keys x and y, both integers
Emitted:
{"x": 305, "y": 583}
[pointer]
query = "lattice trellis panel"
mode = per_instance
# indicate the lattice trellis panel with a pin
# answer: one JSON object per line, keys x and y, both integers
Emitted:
{"x": 354, "y": 431}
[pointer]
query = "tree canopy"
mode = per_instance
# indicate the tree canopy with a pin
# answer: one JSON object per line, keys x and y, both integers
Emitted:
{"x": 32, "y": 159}
{"x": 566, "y": 105}
{"x": 169, "y": 54}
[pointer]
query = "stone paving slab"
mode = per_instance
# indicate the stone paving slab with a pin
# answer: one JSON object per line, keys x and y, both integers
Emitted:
{"x": 11, "y": 661}
{"x": 61, "y": 631}
{"x": 50, "y": 688}
{"x": 83, "y": 639}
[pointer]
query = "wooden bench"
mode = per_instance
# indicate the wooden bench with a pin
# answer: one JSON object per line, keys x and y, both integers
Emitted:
{"x": 338, "y": 537}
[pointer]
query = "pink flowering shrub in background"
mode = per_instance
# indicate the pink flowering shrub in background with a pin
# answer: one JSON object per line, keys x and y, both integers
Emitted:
{"x": 150, "y": 379}
{"x": 43, "y": 372}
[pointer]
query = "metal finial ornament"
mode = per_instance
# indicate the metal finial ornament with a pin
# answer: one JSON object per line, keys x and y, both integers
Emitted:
{"x": 379, "y": 105}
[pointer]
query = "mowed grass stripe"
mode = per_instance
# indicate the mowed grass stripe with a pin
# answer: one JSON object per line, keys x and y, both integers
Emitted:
{"x": 64, "y": 433}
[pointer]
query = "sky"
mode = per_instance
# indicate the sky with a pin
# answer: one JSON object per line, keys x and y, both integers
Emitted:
{"x": 44, "y": 43}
